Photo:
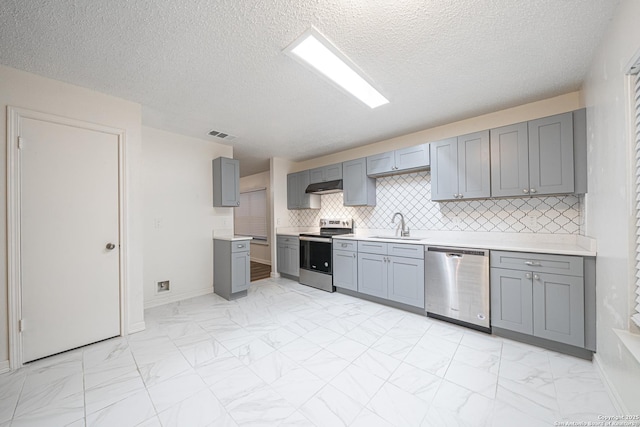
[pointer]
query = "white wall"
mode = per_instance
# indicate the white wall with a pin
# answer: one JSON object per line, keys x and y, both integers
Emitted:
{"x": 179, "y": 217}
{"x": 260, "y": 252}
{"x": 609, "y": 204}
{"x": 29, "y": 91}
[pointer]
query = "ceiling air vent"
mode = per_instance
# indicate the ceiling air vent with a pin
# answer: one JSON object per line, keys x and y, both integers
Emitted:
{"x": 222, "y": 135}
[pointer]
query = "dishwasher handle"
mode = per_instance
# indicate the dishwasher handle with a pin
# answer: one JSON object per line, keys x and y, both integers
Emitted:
{"x": 454, "y": 255}
{"x": 457, "y": 252}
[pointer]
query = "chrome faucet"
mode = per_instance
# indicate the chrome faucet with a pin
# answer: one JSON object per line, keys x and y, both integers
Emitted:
{"x": 404, "y": 232}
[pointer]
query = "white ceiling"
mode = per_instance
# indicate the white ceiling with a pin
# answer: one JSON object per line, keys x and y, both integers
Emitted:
{"x": 200, "y": 65}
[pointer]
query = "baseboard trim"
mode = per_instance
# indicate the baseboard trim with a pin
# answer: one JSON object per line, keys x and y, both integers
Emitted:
{"x": 261, "y": 261}
{"x": 4, "y": 366}
{"x": 608, "y": 385}
{"x": 156, "y": 302}
{"x": 275, "y": 275}
{"x": 137, "y": 327}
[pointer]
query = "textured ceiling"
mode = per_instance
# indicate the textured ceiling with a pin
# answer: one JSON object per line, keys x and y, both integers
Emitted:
{"x": 200, "y": 65}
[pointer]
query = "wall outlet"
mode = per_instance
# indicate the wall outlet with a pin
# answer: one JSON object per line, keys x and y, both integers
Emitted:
{"x": 163, "y": 286}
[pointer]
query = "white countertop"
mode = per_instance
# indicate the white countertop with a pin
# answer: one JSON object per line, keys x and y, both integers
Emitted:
{"x": 519, "y": 242}
{"x": 232, "y": 238}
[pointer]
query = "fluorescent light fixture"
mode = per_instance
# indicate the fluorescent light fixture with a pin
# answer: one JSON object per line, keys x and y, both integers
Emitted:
{"x": 315, "y": 50}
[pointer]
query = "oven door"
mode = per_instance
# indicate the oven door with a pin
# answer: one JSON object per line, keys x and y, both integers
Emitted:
{"x": 315, "y": 254}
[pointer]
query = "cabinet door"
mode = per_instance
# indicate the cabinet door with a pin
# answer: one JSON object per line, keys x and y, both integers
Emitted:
{"x": 293, "y": 259}
{"x": 512, "y": 300}
{"x": 380, "y": 163}
{"x": 551, "y": 155}
{"x": 333, "y": 172}
{"x": 358, "y": 188}
{"x": 345, "y": 269}
{"x": 412, "y": 157}
{"x": 510, "y": 161}
{"x": 316, "y": 175}
{"x": 444, "y": 169}
{"x": 226, "y": 182}
{"x": 474, "y": 171}
{"x": 372, "y": 275}
{"x": 405, "y": 280}
{"x": 282, "y": 258}
{"x": 293, "y": 201}
{"x": 558, "y": 308}
{"x": 240, "y": 271}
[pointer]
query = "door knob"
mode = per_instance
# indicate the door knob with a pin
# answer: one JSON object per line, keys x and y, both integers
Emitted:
{"x": 110, "y": 246}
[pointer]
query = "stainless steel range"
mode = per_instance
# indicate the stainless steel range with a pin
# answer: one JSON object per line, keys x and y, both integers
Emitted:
{"x": 316, "y": 251}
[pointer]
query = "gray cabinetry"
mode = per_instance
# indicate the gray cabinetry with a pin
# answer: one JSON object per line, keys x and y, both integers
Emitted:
{"x": 325, "y": 173}
{"x": 297, "y": 183}
{"x": 528, "y": 295}
{"x": 460, "y": 167}
{"x": 410, "y": 159}
{"x": 384, "y": 273}
{"x": 345, "y": 264}
{"x": 226, "y": 182}
{"x": 358, "y": 188}
{"x": 288, "y": 254}
{"x": 231, "y": 268}
{"x": 537, "y": 157}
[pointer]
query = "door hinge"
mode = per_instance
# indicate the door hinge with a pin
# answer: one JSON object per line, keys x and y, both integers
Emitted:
{"x": 20, "y": 142}
{"x": 20, "y": 325}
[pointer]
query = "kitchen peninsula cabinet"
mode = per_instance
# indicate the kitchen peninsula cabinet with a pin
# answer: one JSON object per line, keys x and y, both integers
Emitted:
{"x": 297, "y": 183}
{"x": 226, "y": 182}
{"x": 231, "y": 266}
{"x": 460, "y": 167}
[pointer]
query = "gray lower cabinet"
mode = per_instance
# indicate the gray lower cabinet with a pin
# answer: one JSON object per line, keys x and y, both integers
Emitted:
{"x": 392, "y": 277}
{"x": 345, "y": 264}
{"x": 531, "y": 298}
{"x": 288, "y": 254}
{"x": 231, "y": 268}
{"x": 460, "y": 167}
{"x": 534, "y": 158}
{"x": 297, "y": 183}
{"x": 358, "y": 188}
{"x": 226, "y": 182}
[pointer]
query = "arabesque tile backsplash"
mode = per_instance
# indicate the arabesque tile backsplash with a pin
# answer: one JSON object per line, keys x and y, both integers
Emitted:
{"x": 410, "y": 194}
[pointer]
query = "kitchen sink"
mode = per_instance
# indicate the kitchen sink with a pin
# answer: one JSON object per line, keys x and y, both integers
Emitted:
{"x": 396, "y": 238}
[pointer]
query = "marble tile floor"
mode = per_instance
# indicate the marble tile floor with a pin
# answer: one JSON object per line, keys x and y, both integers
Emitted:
{"x": 290, "y": 355}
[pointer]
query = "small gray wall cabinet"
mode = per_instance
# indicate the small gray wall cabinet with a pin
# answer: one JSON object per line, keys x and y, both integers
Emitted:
{"x": 539, "y": 157}
{"x": 231, "y": 268}
{"x": 288, "y": 252}
{"x": 345, "y": 264}
{"x": 325, "y": 173}
{"x": 540, "y": 295}
{"x": 460, "y": 167}
{"x": 297, "y": 183}
{"x": 393, "y": 271}
{"x": 405, "y": 160}
{"x": 358, "y": 188}
{"x": 226, "y": 182}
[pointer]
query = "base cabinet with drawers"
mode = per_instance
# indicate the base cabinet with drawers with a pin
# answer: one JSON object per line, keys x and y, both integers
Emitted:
{"x": 231, "y": 267}
{"x": 393, "y": 271}
{"x": 541, "y": 295}
{"x": 288, "y": 248}
{"x": 345, "y": 264}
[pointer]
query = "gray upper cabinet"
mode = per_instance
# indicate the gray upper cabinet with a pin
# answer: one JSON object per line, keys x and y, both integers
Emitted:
{"x": 297, "y": 183}
{"x": 537, "y": 157}
{"x": 358, "y": 188}
{"x": 325, "y": 173}
{"x": 460, "y": 167}
{"x": 410, "y": 159}
{"x": 226, "y": 182}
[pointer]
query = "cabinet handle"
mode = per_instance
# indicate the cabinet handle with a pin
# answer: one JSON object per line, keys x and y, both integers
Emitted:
{"x": 527, "y": 276}
{"x": 532, "y": 263}
{"x": 354, "y": 255}
{"x": 237, "y": 203}
{"x": 536, "y": 277}
{"x": 525, "y": 191}
{"x": 455, "y": 196}
{"x": 344, "y": 245}
{"x": 533, "y": 190}
{"x": 461, "y": 195}
{"x": 248, "y": 254}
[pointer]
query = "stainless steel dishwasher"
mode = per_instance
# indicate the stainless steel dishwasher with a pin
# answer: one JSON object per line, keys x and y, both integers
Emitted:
{"x": 457, "y": 286}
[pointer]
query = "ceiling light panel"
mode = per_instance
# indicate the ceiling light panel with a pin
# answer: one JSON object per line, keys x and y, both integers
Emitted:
{"x": 314, "y": 50}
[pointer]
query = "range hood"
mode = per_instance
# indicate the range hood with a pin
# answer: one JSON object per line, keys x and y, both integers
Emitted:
{"x": 326, "y": 187}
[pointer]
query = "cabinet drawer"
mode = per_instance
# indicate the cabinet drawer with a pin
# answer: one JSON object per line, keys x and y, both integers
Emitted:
{"x": 372, "y": 247}
{"x": 241, "y": 246}
{"x": 406, "y": 250}
{"x": 345, "y": 245}
{"x": 543, "y": 263}
{"x": 288, "y": 240}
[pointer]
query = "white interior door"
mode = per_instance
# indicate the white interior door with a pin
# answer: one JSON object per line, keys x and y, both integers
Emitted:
{"x": 68, "y": 217}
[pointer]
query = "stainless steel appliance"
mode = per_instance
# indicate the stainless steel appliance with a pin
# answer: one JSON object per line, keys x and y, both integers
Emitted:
{"x": 316, "y": 251}
{"x": 457, "y": 286}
